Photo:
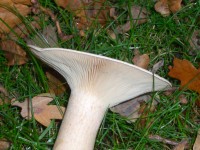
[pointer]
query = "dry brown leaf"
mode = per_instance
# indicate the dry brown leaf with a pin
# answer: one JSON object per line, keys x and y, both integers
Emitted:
{"x": 42, "y": 112}
{"x": 165, "y": 7}
{"x": 162, "y": 7}
{"x": 196, "y": 145}
{"x": 195, "y": 41}
{"x": 24, "y": 2}
{"x": 181, "y": 146}
{"x": 4, "y": 144}
{"x": 184, "y": 71}
{"x": 8, "y": 11}
{"x": 183, "y": 99}
{"x": 130, "y": 109}
{"x": 20, "y": 31}
{"x": 57, "y": 83}
{"x": 139, "y": 16}
{"x": 14, "y": 54}
{"x": 174, "y": 5}
{"x": 111, "y": 34}
{"x": 141, "y": 60}
{"x": 86, "y": 11}
{"x": 113, "y": 13}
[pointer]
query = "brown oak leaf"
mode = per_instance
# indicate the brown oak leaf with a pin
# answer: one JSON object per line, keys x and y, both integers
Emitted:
{"x": 165, "y": 7}
{"x": 42, "y": 112}
{"x": 14, "y": 53}
{"x": 184, "y": 71}
{"x": 86, "y": 11}
{"x": 8, "y": 13}
{"x": 141, "y": 60}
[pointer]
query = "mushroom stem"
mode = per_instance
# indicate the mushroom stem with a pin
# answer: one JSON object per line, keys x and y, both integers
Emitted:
{"x": 97, "y": 83}
{"x": 81, "y": 122}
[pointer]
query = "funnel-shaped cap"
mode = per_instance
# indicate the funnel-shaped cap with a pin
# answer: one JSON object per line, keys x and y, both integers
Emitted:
{"x": 112, "y": 81}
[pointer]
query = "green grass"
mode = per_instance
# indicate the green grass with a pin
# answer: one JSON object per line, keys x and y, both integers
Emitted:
{"x": 161, "y": 38}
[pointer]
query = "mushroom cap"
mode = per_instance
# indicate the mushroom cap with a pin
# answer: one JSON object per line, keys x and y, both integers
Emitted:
{"x": 111, "y": 81}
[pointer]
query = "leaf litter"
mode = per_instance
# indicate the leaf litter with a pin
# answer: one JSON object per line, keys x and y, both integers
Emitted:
{"x": 4, "y": 144}
{"x": 165, "y": 7}
{"x": 140, "y": 60}
{"x": 40, "y": 109}
{"x": 184, "y": 71}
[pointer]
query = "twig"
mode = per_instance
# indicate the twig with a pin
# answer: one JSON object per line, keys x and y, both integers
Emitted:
{"x": 161, "y": 139}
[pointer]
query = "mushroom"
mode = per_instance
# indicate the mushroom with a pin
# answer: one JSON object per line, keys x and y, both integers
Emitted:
{"x": 96, "y": 83}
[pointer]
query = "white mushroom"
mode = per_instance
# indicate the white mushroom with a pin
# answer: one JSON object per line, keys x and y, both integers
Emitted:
{"x": 96, "y": 83}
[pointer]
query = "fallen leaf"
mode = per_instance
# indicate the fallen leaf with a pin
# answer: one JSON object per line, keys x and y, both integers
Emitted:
{"x": 162, "y": 7}
{"x": 138, "y": 15}
{"x": 183, "y": 99}
{"x": 196, "y": 145}
{"x": 14, "y": 53}
{"x": 113, "y": 13}
{"x": 141, "y": 60}
{"x": 111, "y": 34}
{"x": 130, "y": 109}
{"x": 57, "y": 83}
{"x": 42, "y": 112}
{"x": 20, "y": 31}
{"x": 165, "y": 7}
{"x": 195, "y": 41}
{"x": 24, "y": 2}
{"x": 184, "y": 71}
{"x": 182, "y": 145}
{"x": 9, "y": 10}
{"x": 174, "y": 5}
{"x": 86, "y": 11}
{"x": 4, "y": 144}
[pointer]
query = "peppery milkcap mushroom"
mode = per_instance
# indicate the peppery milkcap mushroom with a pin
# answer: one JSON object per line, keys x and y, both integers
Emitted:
{"x": 96, "y": 83}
